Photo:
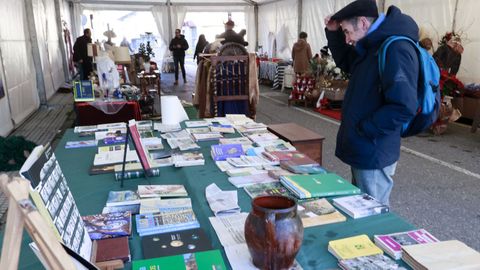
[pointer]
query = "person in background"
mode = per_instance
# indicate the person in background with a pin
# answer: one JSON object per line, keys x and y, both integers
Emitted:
{"x": 178, "y": 46}
{"x": 202, "y": 42}
{"x": 301, "y": 54}
{"x": 231, "y": 36}
{"x": 374, "y": 109}
{"x": 449, "y": 55}
{"x": 125, "y": 43}
{"x": 427, "y": 44}
{"x": 80, "y": 54}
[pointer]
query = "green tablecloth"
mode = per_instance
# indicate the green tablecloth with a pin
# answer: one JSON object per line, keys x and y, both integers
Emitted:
{"x": 90, "y": 193}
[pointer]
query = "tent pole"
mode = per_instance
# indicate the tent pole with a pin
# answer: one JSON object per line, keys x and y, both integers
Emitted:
{"x": 454, "y": 22}
{"x": 66, "y": 73}
{"x": 299, "y": 16}
{"x": 37, "y": 62}
{"x": 169, "y": 5}
{"x": 255, "y": 11}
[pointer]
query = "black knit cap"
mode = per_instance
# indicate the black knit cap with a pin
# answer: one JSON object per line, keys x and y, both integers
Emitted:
{"x": 366, "y": 8}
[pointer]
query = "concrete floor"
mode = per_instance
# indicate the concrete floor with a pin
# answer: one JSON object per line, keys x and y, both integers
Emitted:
{"x": 437, "y": 179}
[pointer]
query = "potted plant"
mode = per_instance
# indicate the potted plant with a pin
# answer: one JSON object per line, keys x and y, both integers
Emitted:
{"x": 146, "y": 52}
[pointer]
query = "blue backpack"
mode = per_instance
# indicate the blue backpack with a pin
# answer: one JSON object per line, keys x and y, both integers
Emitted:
{"x": 428, "y": 93}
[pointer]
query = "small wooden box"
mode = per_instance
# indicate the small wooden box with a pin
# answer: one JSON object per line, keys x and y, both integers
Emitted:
{"x": 305, "y": 140}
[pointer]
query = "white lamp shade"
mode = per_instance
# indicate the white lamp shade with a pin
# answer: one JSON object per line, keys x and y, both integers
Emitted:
{"x": 121, "y": 54}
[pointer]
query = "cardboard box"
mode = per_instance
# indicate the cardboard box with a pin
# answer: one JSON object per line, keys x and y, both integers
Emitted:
{"x": 467, "y": 106}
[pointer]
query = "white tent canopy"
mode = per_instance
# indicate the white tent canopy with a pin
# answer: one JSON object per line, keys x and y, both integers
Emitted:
{"x": 33, "y": 51}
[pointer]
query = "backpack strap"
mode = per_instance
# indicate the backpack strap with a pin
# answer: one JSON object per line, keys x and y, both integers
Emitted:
{"x": 382, "y": 55}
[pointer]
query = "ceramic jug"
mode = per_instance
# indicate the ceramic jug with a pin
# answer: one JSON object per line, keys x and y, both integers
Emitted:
{"x": 273, "y": 232}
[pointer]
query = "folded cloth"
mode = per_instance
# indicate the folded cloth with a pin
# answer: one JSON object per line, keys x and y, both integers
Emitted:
{"x": 222, "y": 202}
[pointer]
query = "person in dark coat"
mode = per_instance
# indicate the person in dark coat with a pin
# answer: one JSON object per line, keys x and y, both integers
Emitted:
{"x": 231, "y": 36}
{"x": 373, "y": 109}
{"x": 449, "y": 56}
{"x": 202, "y": 42}
{"x": 80, "y": 55}
{"x": 178, "y": 46}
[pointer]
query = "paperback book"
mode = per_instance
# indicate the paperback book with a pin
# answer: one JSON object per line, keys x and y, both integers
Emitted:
{"x": 353, "y": 247}
{"x": 101, "y": 169}
{"x": 80, "y": 144}
{"x": 199, "y": 130}
{"x": 224, "y": 151}
{"x": 242, "y": 181}
{"x": 318, "y": 212}
{"x": 163, "y": 128}
{"x": 239, "y": 140}
{"x": 155, "y": 205}
{"x": 188, "y": 159}
{"x": 112, "y": 249}
{"x": 265, "y": 189}
{"x": 193, "y": 124}
{"x": 175, "y": 243}
{"x": 222, "y": 128}
{"x": 109, "y": 225}
{"x": 318, "y": 185}
{"x": 262, "y": 137}
{"x": 246, "y": 171}
{"x": 79, "y": 129}
{"x": 133, "y": 208}
{"x": 149, "y": 191}
{"x": 392, "y": 243}
{"x": 166, "y": 221}
{"x": 182, "y": 144}
{"x": 205, "y": 260}
{"x": 358, "y": 206}
{"x": 125, "y": 197}
{"x": 203, "y": 137}
{"x": 112, "y": 148}
{"x": 224, "y": 166}
{"x": 372, "y": 262}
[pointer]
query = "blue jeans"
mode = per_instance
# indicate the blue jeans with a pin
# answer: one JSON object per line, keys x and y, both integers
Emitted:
{"x": 377, "y": 183}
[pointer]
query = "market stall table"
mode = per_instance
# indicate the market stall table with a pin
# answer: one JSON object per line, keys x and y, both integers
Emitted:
{"x": 100, "y": 112}
{"x": 90, "y": 193}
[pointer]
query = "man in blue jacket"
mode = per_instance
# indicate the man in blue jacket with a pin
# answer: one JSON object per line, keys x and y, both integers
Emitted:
{"x": 374, "y": 108}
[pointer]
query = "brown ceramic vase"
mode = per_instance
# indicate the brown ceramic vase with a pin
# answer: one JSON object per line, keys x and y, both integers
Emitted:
{"x": 274, "y": 232}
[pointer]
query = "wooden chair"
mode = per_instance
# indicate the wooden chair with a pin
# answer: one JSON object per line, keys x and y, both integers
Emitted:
{"x": 230, "y": 80}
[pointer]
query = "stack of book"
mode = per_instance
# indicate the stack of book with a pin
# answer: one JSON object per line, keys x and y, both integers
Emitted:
{"x": 358, "y": 206}
{"x": 392, "y": 243}
{"x": 250, "y": 161}
{"x": 300, "y": 164}
{"x": 318, "y": 185}
{"x": 133, "y": 170}
{"x": 262, "y": 137}
{"x": 251, "y": 127}
{"x": 221, "y": 152}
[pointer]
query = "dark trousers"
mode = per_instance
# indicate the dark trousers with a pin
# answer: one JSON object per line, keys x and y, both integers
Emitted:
{"x": 179, "y": 60}
{"x": 85, "y": 69}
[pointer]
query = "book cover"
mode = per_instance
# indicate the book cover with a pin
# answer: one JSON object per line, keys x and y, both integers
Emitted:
{"x": 262, "y": 137}
{"x": 109, "y": 225}
{"x": 222, "y": 128}
{"x": 277, "y": 173}
{"x": 239, "y": 140}
{"x": 318, "y": 212}
{"x": 80, "y": 144}
{"x": 83, "y": 91}
{"x": 352, "y": 247}
{"x": 318, "y": 185}
{"x": 205, "y": 260}
{"x": 281, "y": 155}
{"x": 358, "y": 206}
{"x": 242, "y": 181}
{"x": 80, "y": 129}
{"x": 264, "y": 189}
{"x": 199, "y": 130}
{"x": 393, "y": 243}
{"x": 245, "y": 171}
{"x": 101, "y": 169}
{"x": 112, "y": 249}
{"x": 111, "y": 148}
{"x": 188, "y": 159}
{"x": 201, "y": 137}
{"x": 221, "y": 152}
{"x": 149, "y": 191}
{"x": 115, "y": 139}
{"x": 126, "y": 197}
{"x": 160, "y": 154}
{"x": 314, "y": 168}
{"x": 133, "y": 208}
{"x": 175, "y": 243}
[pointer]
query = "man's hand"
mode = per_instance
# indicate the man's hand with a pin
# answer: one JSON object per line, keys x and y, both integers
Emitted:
{"x": 179, "y": 46}
{"x": 331, "y": 25}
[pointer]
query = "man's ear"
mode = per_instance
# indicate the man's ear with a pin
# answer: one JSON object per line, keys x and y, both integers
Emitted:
{"x": 364, "y": 23}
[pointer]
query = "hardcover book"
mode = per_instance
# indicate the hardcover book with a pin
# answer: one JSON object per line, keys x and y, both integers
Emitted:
{"x": 392, "y": 243}
{"x": 126, "y": 197}
{"x": 175, "y": 243}
{"x": 205, "y": 260}
{"x": 224, "y": 151}
{"x": 112, "y": 249}
{"x": 352, "y": 247}
{"x": 149, "y": 191}
{"x": 318, "y": 185}
{"x": 110, "y": 225}
{"x": 358, "y": 206}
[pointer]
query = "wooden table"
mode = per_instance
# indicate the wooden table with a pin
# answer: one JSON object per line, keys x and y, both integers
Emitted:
{"x": 305, "y": 140}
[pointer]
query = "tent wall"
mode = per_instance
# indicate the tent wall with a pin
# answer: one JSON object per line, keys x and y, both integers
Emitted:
{"x": 278, "y": 24}
{"x": 16, "y": 55}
